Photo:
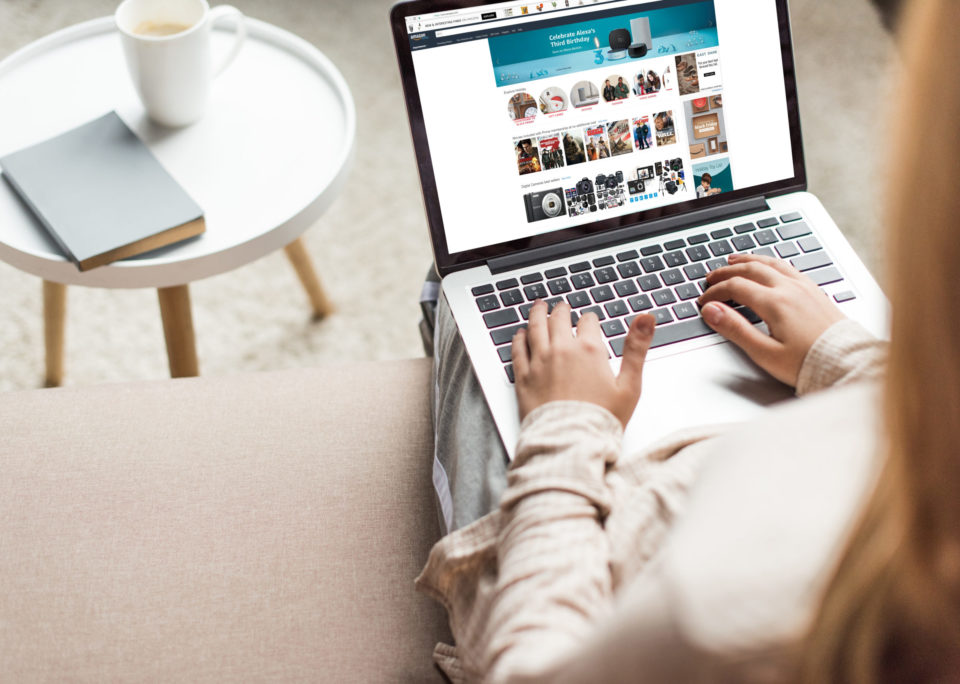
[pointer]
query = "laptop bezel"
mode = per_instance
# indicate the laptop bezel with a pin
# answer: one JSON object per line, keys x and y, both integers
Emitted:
{"x": 446, "y": 262}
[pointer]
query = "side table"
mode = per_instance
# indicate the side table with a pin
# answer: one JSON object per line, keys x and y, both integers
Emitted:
{"x": 270, "y": 156}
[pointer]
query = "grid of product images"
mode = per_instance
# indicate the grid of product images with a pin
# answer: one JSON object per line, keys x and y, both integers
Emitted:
{"x": 645, "y": 155}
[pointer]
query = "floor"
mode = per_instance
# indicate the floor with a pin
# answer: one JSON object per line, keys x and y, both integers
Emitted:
{"x": 372, "y": 247}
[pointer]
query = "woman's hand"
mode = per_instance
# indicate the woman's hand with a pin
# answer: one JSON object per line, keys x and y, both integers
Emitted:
{"x": 793, "y": 307}
{"x": 551, "y": 364}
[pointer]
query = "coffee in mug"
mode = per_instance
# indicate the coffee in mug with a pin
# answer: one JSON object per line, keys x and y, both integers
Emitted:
{"x": 167, "y": 47}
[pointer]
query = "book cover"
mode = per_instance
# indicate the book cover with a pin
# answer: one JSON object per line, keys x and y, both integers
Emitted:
{"x": 101, "y": 193}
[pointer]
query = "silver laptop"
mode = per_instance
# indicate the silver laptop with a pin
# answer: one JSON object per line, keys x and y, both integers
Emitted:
{"x": 611, "y": 154}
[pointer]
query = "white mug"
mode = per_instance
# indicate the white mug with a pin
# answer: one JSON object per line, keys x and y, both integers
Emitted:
{"x": 167, "y": 46}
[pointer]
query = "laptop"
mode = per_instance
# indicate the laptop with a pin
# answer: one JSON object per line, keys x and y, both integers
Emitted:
{"x": 611, "y": 153}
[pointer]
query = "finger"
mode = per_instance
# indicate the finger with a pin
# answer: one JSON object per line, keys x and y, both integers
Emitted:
{"x": 559, "y": 325}
{"x": 588, "y": 330}
{"x": 740, "y": 290}
{"x": 520, "y": 354}
{"x": 635, "y": 348}
{"x": 752, "y": 270}
{"x": 779, "y": 265}
{"x": 740, "y": 331}
{"x": 537, "y": 335}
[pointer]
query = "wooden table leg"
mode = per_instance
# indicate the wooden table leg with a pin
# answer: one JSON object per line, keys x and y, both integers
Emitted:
{"x": 297, "y": 253}
{"x": 178, "y": 331}
{"x": 54, "y": 323}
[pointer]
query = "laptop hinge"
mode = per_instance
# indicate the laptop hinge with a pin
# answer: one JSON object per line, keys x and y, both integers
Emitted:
{"x": 608, "y": 238}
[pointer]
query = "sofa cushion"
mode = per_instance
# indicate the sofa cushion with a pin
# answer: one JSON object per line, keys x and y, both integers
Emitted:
{"x": 263, "y": 526}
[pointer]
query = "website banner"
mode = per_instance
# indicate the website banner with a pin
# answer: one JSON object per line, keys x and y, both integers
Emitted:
{"x": 558, "y": 50}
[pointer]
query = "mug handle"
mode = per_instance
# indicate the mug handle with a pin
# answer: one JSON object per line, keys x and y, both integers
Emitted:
{"x": 223, "y": 11}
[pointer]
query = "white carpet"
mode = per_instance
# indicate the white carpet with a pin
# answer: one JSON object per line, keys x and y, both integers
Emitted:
{"x": 371, "y": 248}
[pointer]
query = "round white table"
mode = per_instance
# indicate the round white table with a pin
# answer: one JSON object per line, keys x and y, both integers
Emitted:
{"x": 269, "y": 157}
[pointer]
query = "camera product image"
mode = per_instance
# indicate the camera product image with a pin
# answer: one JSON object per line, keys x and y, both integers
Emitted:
{"x": 610, "y": 190}
{"x": 671, "y": 176}
{"x": 581, "y": 199}
{"x": 635, "y": 187}
{"x": 584, "y": 187}
{"x": 545, "y": 204}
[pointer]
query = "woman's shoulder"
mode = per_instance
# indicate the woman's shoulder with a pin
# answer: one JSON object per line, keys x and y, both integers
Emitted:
{"x": 769, "y": 517}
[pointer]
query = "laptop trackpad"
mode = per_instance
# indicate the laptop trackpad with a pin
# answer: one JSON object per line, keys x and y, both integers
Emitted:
{"x": 711, "y": 385}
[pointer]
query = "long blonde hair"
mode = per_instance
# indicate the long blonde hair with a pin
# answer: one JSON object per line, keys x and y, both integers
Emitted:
{"x": 892, "y": 610}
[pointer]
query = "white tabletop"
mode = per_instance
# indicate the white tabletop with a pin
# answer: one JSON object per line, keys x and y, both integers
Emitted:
{"x": 268, "y": 158}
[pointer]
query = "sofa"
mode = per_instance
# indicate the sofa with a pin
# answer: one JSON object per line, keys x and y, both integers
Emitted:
{"x": 258, "y": 527}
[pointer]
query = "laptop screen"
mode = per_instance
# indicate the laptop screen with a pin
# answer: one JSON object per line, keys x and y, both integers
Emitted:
{"x": 542, "y": 117}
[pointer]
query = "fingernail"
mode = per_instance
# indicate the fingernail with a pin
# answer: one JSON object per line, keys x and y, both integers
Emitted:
{"x": 713, "y": 314}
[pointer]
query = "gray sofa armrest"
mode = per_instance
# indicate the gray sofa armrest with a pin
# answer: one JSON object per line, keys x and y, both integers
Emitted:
{"x": 263, "y": 526}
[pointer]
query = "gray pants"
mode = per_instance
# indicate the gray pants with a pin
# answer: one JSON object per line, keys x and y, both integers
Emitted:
{"x": 470, "y": 463}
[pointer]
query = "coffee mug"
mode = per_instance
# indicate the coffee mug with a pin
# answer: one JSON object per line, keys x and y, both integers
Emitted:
{"x": 167, "y": 46}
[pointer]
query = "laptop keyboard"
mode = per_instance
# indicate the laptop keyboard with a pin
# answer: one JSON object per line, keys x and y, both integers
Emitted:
{"x": 662, "y": 279}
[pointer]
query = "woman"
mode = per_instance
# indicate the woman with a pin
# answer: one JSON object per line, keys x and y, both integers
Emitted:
{"x": 822, "y": 545}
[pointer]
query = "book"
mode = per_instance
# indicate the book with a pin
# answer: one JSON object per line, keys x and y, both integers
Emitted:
{"x": 101, "y": 194}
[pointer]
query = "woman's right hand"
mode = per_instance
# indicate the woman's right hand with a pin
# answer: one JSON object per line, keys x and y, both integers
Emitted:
{"x": 793, "y": 307}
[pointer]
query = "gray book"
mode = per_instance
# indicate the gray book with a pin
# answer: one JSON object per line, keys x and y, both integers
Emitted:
{"x": 101, "y": 193}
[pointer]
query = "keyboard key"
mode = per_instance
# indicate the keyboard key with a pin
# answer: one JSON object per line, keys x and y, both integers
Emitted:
{"x": 509, "y": 369}
{"x": 672, "y": 259}
{"x": 525, "y": 311}
{"x": 793, "y": 231}
{"x": 702, "y": 285}
{"x": 652, "y": 264}
{"x": 765, "y": 237}
{"x": 808, "y": 262}
{"x": 488, "y": 303}
{"x": 714, "y": 264}
{"x": 511, "y": 297}
{"x": 535, "y": 291}
{"x": 650, "y": 250}
{"x": 648, "y": 282}
{"x": 628, "y": 255}
{"x": 582, "y": 281}
{"x": 605, "y": 275}
{"x": 674, "y": 244}
{"x": 698, "y": 253}
{"x": 578, "y": 299}
{"x": 767, "y": 222}
{"x": 684, "y": 310}
{"x": 625, "y": 288}
{"x": 506, "y": 353}
{"x": 502, "y": 317}
{"x": 507, "y": 284}
{"x": 824, "y": 276}
{"x": 721, "y": 233}
{"x": 552, "y": 303}
{"x": 662, "y": 316}
{"x": 844, "y": 296}
{"x": 559, "y": 286}
{"x": 686, "y": 330}
{"x": 504, "y": 335}
{"x": 744, "y": 228}
{"x": 640, "y": 303}
{"x": 787, "y": 250}
{"x": 604, "y": 293}
{"x": 555, "y": 272}
{"x": 631, "y": 269}
{"x": 695, "y": 271}
{"x": 531, "y": 278}
{"x": 603, "y": 261}
{"x": 664, "y": 297}
{"x": 743, "y": 243}
{"x": 687, "y": 291}
{"x": 793, "y": 216}
{"x": 482, "y": 290}
{"x": 580, "y": 266}
{"x": 721, "y": 248}
{"x": 616, "y": 308}
{"x": 594, "y": 310}
{"x": 765, "y": 251}
{"x": 672, "y": 277}
{"x": 697, "y": 239}
{"x": 612, "y": 328}
{"x": 809, "y": 244}
{"x": 748, "y": 313}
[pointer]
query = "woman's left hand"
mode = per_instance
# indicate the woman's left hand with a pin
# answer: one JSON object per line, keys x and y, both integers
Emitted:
{"x": 550, "y": 364}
